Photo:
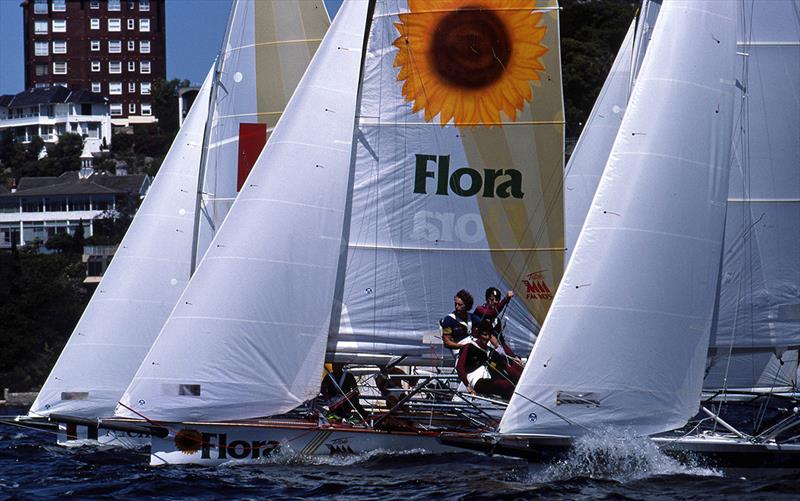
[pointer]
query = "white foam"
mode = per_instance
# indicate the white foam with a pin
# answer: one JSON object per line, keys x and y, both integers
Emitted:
{"x": 614, "y": 454}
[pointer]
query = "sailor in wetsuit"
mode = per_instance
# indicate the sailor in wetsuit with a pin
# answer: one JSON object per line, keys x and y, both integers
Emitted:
{"x": 456, "y": 327}
{"x": 482, "y": 369}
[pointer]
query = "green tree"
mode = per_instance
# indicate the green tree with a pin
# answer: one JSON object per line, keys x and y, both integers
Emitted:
{"x": 591, "y": 33}
{"x": 165, "y": 103}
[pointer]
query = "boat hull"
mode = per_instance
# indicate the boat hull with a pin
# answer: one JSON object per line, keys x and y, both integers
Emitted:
{"x": 260, "y": 441}
{"x": 70, "y": 435}
{"x": 716, "y": 451}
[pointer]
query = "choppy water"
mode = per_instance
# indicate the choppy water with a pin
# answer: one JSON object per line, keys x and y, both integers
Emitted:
{"x": 32, "y": 465}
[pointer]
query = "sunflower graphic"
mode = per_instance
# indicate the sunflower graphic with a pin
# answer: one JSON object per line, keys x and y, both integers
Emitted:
{"x": 468, "y": 60}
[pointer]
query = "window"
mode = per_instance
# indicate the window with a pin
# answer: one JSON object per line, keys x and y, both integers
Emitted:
{"x": 115, "y": 88}
{"x": 131, "y": 108}
{"x": 131, "y": 65}
{"x": 113, "y": 5}
{"x": 144, "y": 5}
{"x": 114, "y": 46}
{"x": 41, "y": 49}
{"x": 40, "y": 27}
{"x": 94, "y": 4}
{"x": 59, "y": 46}
{"x": 144, "y": 25}
{"x": 131, "y": 4}
{"x": 114, "y": 24}
{"x": 131, "y": 87}
{"x": 144, "y": 46}
{"x": 59, "y": 25}
{"x": 95, "y": 65}
{"x": 94, "y": 23}
{"x": 61, "y": 84}
{"x": 131, "y": 23}
{"x": 97, "y": 87}
{"x": 144, "y": 67}
{"x": 42, "y": 70}
{"x": 115, "y": 66}
{"x": 147, "y": 109}
{"x": 146, "y": 88}
{"x": 42, "y": 85}
{"x": 79, "y": 203}
{"x": 55, "y": 204}
{"x": 60, "y": 68}
{"x": 131, "y": 45}
{"x": 40, "y": 7}
{"x": 116, "y": 109}
{"x": 59, "y": 5}
{"x": 94, "y": 45}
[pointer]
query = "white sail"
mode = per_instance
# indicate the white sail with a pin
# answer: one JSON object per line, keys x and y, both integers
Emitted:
{"x": 456, "y": 185}
{"x": 586, "y": 164}
{"x": 139, "y": 289}
{"x": 268, "y": 45}
{"x": 626, "y": 339}
{"x": 760, "y": 284}
{"x": 248, "y": 336}
{"x": 266, "y": 50}
{"x": 762, "y": 371}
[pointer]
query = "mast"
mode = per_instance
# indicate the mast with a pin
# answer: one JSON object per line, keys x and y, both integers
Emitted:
{"x": 198, "y": 207}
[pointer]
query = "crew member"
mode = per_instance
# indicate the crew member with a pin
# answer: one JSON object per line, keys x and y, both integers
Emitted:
{"x": 481, "y": 368}
{"x": 456, "y": 327}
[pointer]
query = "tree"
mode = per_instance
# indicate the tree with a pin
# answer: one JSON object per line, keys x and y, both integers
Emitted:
{"x": 165, "y": 103}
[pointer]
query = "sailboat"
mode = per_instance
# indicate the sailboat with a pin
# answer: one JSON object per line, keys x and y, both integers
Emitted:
{"x": 659, "y": 261}
{"x": 417, "y": 157}
{"x": 265, "y": 51}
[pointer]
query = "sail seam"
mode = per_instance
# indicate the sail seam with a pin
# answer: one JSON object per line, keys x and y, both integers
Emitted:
{"x": 456, "y": 249}
{"x": 664, "y": 233}
{"x": 276, "y": 42}
{"x": 636, "y": 310}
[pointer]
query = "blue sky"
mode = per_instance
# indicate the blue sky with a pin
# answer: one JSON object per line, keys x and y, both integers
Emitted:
{"x": 194, "y": 35}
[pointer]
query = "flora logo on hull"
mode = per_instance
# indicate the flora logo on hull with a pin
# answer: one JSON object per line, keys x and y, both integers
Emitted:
{"x": 465, "y": 182}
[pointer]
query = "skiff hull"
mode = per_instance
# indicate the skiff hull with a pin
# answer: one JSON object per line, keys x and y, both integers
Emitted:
{"x": 264, "y": 441}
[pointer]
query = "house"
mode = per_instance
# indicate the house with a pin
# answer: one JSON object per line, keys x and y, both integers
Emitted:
{"x": 40, "y": 207}
{"x": 49, "y": 113}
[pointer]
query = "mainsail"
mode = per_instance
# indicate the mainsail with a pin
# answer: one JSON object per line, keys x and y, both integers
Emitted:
{"x": 248, "y": 335}
{"x": 266, "y": 50}
{"x": 760, "y": 290}
{"x": 626, "y": 339}
{"x": 457, "y": 175}
{"x": 268, "y": 45}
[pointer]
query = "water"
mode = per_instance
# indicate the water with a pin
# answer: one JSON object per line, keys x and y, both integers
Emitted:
{"x": 604, "y": 467}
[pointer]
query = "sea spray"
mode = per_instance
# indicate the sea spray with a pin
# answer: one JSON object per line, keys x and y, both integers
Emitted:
{"x": 614, "y": 454}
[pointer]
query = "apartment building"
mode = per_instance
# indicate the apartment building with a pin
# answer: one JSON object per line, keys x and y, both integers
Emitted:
{"x": 114, "y": 48}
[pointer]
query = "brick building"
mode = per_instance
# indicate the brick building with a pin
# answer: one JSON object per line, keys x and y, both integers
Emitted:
{"x": 115, "y": 48}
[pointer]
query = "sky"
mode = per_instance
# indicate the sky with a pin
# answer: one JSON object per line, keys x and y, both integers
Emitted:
{"x": 194, "y": 35}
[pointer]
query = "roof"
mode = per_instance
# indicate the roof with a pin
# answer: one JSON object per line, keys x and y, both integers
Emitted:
{"x": 69, "y": 183}
{"x": 51, "y": 95}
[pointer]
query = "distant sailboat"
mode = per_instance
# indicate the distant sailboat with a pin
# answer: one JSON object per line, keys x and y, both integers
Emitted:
{"x": 377, "y": 198}
{"x": 266, "y": 49}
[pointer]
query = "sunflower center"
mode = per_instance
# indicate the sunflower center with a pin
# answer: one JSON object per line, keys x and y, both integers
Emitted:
{"x": 470, "y": 48}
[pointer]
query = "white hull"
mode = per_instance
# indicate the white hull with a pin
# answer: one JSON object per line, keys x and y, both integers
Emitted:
{"x": 257, "y": 441}
{"x": 76, "y": 436}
